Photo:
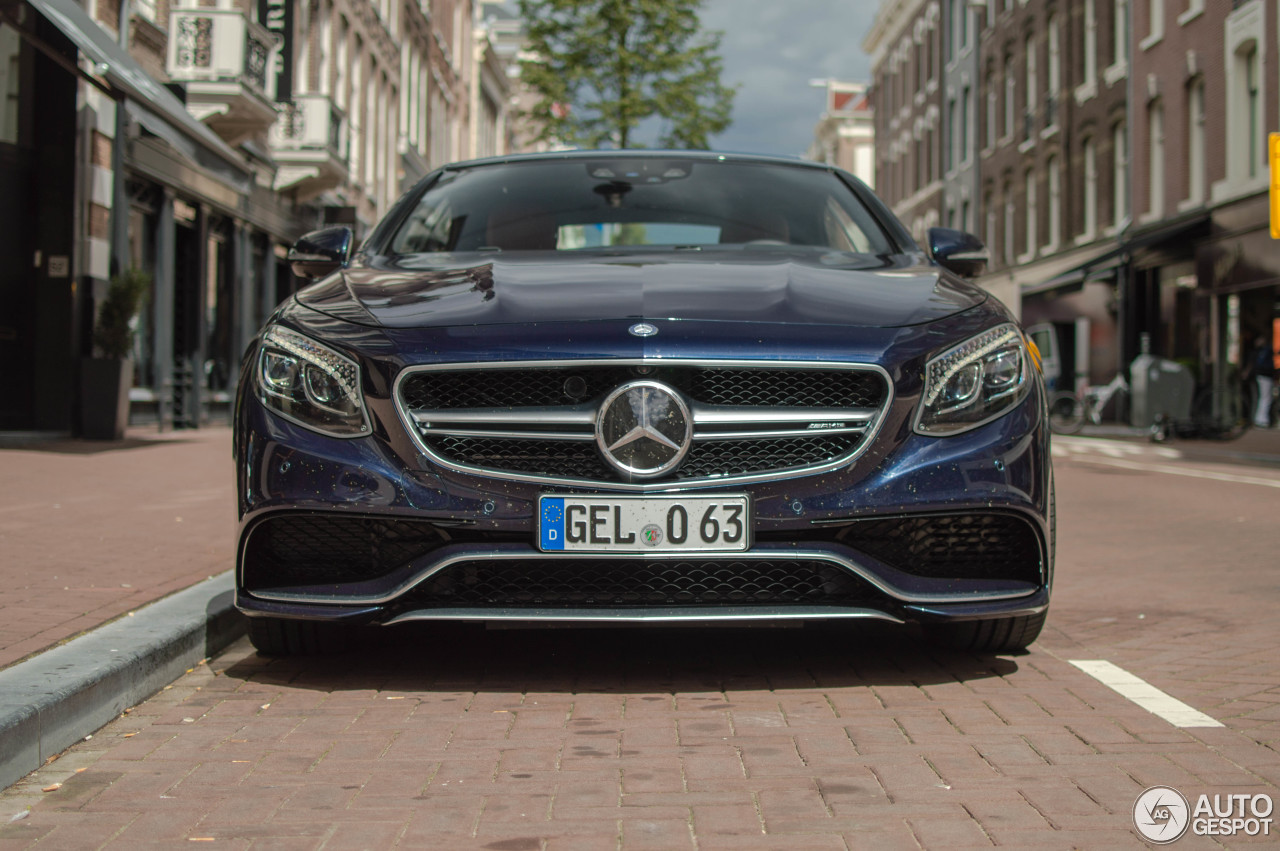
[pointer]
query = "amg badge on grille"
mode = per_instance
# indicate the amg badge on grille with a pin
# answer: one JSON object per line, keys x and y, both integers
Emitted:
{"x": 644, "y": 429}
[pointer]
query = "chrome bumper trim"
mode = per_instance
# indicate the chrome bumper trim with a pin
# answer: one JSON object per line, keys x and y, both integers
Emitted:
{"x": 761, "y": 553}
{"x": 656, "y": 615}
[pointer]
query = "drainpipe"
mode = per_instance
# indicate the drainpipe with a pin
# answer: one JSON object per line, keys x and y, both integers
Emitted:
{"x": 119, "y": 199}
{"x": 1124, "y": 278}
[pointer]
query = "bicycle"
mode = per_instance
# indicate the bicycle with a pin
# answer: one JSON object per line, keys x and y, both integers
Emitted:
{"x": 1068, "y": 411}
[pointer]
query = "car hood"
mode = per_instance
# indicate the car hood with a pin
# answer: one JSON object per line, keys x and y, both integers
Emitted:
{"x": 421, "y": 291}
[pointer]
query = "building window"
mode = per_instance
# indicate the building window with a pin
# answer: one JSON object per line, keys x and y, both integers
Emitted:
{"x": 1195, "y": 141}
{"x": 1030, "y": 178}
{"x": 1253, "y": 106}
{"x": 1009, "y": 213}
{"x": 1155, "y": 23}
{"x": 1055, "y": 73}
{"x": 1090, "y": 189}
{"x": 951, "y": 135}
{"x": 1010, "y": 92}
{"x": 1029, "y": 116}
{"x": 1120, "y": 177}
{"x": 1155, "y": 158}
{"x": 1120, "y": 45}
{"x": 1090, "y": 45}
{"x": 963, "y": 128}
{"x": 964, "y": 215}
{"x": 992, "y": 109}
{"x": 1055, "y": 202}
{"x": 988, "y": 204}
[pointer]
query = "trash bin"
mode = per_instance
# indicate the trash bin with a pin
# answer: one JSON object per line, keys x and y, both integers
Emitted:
{"x": 1159, "y": 386}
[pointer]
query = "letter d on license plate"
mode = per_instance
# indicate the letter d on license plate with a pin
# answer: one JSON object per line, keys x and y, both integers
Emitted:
{"x": 644, "y": 524}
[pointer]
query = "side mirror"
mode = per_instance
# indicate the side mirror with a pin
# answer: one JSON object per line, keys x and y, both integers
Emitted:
{"x": 321, "y": 252}
{"x": 960, "y": 252}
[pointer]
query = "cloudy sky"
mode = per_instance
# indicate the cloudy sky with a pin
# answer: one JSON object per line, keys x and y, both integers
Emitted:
{"x": 772, "y": 50}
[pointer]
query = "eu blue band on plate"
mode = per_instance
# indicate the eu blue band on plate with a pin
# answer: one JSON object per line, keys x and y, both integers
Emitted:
{"x": 551, "y": 525}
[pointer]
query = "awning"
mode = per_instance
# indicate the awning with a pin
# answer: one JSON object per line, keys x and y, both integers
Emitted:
{"x": 1036, "y": 277}
{"x": 1098, "y": 268}
{"x": 236, "y": 177}
{"x": 1100, "y": 265}
{"x": 124, "y": 73}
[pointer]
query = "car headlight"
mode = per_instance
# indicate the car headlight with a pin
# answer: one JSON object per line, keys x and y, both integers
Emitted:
{"x": 310, "y": 384}
{"x": 975, "y": 382}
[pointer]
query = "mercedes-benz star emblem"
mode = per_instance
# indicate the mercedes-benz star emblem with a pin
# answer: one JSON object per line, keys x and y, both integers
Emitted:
{"x": 643, "y": 329}
{"x": 644, "y": 429}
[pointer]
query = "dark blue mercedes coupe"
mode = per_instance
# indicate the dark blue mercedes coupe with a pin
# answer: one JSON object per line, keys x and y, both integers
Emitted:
{"x": 642, "y": 387}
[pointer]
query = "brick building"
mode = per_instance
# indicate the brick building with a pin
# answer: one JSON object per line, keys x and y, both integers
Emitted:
{"x": 905, "y": 44}
{"x": 1206, "y": 92}
{"x": 196, "y": 139}
{"x": 1120, "y": 171}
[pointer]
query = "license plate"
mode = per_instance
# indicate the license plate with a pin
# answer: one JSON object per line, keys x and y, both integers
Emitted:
{"x": 644, "y": 524}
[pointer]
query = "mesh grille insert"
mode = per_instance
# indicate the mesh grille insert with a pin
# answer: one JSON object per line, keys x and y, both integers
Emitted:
{"x": 541, "y": 387}
{"x": 321, "y": 549}
{"x": 633, "y": 582}
{"x": 958, "y": 546}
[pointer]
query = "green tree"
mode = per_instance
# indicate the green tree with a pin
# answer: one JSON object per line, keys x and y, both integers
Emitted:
{"x": 602, "y": 67}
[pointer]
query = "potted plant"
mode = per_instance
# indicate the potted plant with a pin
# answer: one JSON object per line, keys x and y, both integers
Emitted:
{"x": 105, "y": 380}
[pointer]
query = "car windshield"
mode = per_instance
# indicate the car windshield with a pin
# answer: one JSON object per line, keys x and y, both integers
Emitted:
{"x": 630, "y": 203}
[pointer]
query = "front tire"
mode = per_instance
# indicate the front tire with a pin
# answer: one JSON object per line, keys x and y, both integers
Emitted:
{"x": 995, "y": 635}
{"x": 282, "y": 637}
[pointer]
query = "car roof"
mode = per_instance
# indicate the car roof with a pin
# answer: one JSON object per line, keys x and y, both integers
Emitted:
{"x": 640, "y": 154}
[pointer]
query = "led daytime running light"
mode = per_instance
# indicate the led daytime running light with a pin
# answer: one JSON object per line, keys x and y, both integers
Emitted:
{"x": 944, "y": 369}
{"x": 335, "y": 366}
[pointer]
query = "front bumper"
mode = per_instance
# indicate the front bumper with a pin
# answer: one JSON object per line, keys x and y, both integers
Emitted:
{"x": 430, "y": 543}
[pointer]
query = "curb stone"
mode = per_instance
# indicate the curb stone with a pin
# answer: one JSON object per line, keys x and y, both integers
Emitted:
{"x": 54, "y": 700}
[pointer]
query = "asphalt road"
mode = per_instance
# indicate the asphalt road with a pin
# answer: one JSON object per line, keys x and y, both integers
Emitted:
{"x": 454, "y": 737}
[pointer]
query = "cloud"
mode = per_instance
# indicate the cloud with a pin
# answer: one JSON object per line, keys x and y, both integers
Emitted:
{"x": 771, "y": 51}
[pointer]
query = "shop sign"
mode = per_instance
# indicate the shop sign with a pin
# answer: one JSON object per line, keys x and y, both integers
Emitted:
{"x": 277, "y": 16}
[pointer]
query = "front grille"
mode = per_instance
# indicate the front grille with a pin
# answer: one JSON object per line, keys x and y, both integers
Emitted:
{"x": 295, "y": 550}
{"x": 542, "y": 387}
{"x": 581, "y": 460}
{"x": 539, "y": 421}
{"x": 990, "y": 546}
{"x": 637, "y": 582}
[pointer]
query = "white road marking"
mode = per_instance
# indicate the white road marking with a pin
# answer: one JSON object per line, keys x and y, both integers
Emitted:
{"x": 1144, "y": 694}
{"x": 1190, "y": 472}
{"x": 1063, "y": 445}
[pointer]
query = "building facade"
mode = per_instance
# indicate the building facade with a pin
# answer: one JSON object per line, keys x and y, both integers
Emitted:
{"x": 196, "y": 140}
{"x": 1206, "y": 95}
{"x": 905, "y": 44}
{"x": 845, "y": 135}
{"x": 1120, "y": 169}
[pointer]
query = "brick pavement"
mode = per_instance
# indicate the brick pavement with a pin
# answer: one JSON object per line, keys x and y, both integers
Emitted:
{"x": 91, "y": 530}
{"x": 450, "y": 736}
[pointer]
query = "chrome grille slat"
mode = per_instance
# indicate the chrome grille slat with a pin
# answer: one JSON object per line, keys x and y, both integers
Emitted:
{"x": 751, "y": 421}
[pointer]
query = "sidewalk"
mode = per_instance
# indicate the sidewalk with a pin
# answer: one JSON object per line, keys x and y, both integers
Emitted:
{"x": 1256, "y": 447}
{"x": 91, "y": 530}
{"x": 93, "y": 533}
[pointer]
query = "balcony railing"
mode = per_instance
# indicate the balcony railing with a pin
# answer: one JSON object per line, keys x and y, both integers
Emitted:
{"x": 220, "y": 46}
{"x": 311, "y": 124}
